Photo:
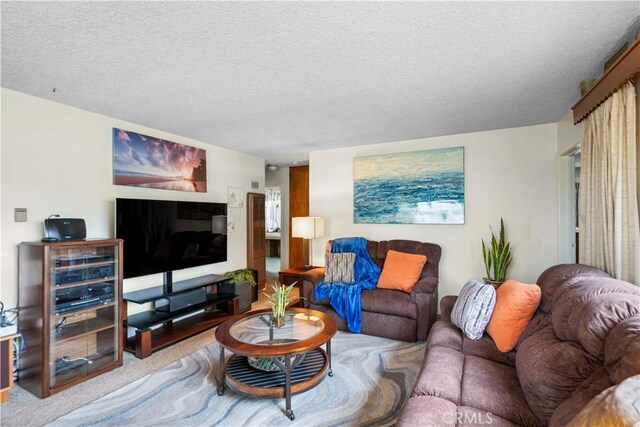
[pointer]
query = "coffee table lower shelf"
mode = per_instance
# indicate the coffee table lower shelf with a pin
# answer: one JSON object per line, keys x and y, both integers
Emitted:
{"x": 244, "y": 378}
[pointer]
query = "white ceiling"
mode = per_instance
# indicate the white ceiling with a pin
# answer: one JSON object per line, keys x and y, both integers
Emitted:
{"x": 280, "y": 79}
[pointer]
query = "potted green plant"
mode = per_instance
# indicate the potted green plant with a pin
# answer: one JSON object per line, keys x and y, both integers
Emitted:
{"x": 497, "y": 257}
{"x": 241, "y": 282}
{"x": 279, "y": 300}
{"x": 241, "y": 275}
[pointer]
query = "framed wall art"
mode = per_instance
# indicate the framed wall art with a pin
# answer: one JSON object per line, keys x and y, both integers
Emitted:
{"x": 417, "y": 187}
{"x": 235, "y": 197}
{"x": 145, "y": 161}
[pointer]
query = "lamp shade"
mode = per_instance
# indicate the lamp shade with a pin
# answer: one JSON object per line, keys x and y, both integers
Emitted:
{"x": 307, "y": 227}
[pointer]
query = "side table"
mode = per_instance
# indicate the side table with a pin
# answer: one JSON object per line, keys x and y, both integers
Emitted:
{"x": 290, "y": 275}
{"x": 6, "y": 357}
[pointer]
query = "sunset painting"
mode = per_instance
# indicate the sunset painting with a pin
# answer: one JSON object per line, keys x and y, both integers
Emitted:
{"x": 144, "y": 161}
{"x": 418, "y": 187}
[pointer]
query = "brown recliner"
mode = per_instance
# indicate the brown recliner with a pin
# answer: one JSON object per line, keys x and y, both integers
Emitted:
{"x": 386, "y": 312}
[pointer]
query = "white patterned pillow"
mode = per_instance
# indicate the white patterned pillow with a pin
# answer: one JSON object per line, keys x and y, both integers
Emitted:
{"x": 473, "y": 308}
{"x": 339, "y": 267}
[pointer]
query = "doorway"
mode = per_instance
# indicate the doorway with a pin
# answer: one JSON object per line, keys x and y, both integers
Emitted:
{"x": 568, "y": 190}
{"x": 273, "y": 223}
{"x": 256, "y": 244}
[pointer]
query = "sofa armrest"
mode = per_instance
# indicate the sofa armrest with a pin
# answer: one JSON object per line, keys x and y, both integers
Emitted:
{"x": 446, "y": 307}
{"x": 425, "y": 295}
{"x": 315, "y": 275}
{"x": 425, "y": 286}
{"x": 308, "y": 282}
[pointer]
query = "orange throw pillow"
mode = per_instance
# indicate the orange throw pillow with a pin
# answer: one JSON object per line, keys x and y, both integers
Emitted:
{"x": 401, "y": 271}
{"x": 515, "y": 305}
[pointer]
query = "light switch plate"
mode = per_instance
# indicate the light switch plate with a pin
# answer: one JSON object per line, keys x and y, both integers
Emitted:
{"x": 20, "y": 215}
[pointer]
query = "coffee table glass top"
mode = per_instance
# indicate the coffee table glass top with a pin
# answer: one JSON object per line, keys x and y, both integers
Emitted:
{"x": 259, "y": 329}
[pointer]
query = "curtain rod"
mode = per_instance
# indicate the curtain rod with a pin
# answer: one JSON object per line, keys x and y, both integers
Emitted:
{"x": 623, "y": 69}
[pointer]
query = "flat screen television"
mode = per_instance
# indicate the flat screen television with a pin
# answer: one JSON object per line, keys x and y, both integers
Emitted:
{"x": 162, "y": 236}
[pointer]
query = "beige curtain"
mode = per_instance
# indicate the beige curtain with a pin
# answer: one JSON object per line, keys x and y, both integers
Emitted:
{"x": 608, "y": 198}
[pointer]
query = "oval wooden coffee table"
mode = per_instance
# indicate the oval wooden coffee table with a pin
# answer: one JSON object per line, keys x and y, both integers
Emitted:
{"x": 291, "y": 354}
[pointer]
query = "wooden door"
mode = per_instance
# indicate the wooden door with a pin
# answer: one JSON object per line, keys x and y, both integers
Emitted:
{"x": 256, "y": 236}
{"x": 298, "y": 206}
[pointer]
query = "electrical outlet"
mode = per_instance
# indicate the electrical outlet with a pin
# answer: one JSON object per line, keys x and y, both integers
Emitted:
{"x": 20, "y": 214}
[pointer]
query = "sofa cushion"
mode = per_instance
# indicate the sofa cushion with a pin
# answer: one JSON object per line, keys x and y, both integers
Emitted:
{"x": 515, "y": 305}
{"x": 445, "y": 334}
{"x": 551, "y": 370}
{"x": 474, "y": 417}
{"x": 494, "y": 387}
{"x": 622, "y": 349}
{"x": 401, "y": 271}
{"x": 537, "y": 322}
{"x": 422, "y": 411}
{"x": 396, "y": 303}
{"x": 339, "y": 267}
{"x": 473, "y": 308}
{"x": 388, "y": 301}
{"x": 585, "y": 312}
{"x": 486, "y": 348}
{"x": 441, "y": 374}
{"x": 553, "y": 277}
{"x": 589, "y": 389}
{"x": 430, "y": 250}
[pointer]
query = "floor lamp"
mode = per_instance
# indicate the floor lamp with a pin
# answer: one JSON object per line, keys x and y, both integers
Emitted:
{"x": 307, "y": 228}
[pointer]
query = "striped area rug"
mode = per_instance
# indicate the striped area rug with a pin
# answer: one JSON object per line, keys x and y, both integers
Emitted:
{"x": 371, "y": 381}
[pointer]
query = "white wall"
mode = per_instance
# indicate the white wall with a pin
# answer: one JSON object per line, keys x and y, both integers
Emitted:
{"x": 509, "y": 173}
{"x": 280, "y": 178}
{"x": 58, "y": 159}
{"x": 569, "y": 135}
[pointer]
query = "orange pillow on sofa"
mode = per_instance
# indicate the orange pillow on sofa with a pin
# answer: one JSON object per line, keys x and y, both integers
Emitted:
{"x": 515, "y": 305}
{"x": 401, "y": 271}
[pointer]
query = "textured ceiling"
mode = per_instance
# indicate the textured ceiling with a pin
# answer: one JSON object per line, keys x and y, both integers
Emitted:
{"x": 280, "y": 79}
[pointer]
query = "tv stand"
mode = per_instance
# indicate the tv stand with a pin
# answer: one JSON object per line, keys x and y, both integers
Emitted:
{"x": 159, "y": 329}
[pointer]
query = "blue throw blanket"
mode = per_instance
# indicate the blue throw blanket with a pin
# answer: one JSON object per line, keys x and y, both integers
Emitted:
{"x": 345, "y": 297}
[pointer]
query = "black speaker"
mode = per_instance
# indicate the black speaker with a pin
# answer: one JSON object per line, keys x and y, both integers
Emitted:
{"x": 175, "y": 302}
{"x": 65, "y": 228}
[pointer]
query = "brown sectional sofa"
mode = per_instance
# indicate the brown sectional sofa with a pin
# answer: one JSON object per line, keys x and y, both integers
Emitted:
{"x": 386, "y": 312}
{"x": 584, "y": 338}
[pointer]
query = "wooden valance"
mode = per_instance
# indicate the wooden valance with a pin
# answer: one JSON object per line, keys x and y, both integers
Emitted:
{"x": 625, "y": 68}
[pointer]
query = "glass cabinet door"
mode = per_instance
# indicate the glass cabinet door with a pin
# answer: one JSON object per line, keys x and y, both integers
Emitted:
{"x": 84, "y": 318}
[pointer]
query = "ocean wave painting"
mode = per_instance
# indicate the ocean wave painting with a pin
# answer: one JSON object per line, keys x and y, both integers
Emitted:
{"x": 418, "y": 187}
{"x": 144, "y": 161}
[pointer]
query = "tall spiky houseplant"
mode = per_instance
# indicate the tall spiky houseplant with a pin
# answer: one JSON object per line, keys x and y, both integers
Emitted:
{"x": 497, "y": 257}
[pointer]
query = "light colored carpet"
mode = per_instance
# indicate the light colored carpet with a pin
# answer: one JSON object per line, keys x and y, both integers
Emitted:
{"x": 25, "y": 409}
{"x": 372, "y": 377}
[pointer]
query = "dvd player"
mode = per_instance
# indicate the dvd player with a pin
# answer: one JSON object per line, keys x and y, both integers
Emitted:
{"x": 70, "y": 299}
{"x": 82, "y": 274}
